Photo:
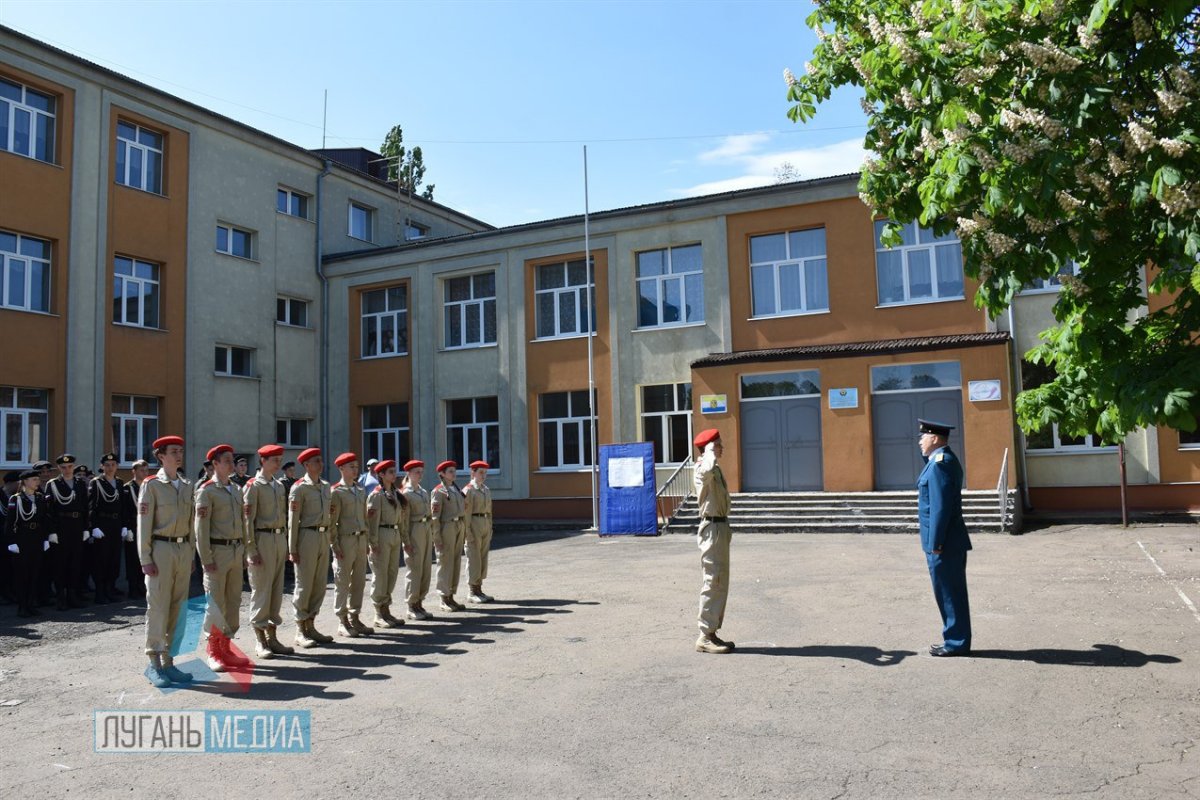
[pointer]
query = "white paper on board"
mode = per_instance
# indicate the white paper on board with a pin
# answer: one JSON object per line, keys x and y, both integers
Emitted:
{"x": 625, "y": 472}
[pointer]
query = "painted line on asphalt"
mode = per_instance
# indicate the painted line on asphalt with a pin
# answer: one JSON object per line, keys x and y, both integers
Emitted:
{"x": 1187, "y": 601}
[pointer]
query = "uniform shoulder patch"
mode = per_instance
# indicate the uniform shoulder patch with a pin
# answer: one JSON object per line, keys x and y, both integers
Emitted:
{"x": 371, "y": 511}
{"x": 202, "y": 512}
{"x": 938, "y": 458}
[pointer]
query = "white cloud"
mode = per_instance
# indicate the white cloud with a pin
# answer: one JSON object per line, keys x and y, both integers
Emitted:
{"x": 757, "y": 166}
{"x": 732, "y": 147}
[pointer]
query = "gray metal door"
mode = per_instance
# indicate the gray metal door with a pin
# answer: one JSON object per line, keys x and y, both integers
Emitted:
{"x": 898, "y": 460}
{"x": 781, "y": 445}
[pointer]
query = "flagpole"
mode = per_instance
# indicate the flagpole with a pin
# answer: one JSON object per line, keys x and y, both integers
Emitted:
{"x": 587, "y": 256}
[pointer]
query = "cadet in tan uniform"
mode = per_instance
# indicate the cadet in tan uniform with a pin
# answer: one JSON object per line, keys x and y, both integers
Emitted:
{"x": 164, "y": 538}
{"x": 418, "y": 555}
{"x": 221, "y": 543}
{"x": 713, "y": 536}
{"x": 266, "y": 551}
{"x": 348, "y": 512}
{"x": 308, "y": 546}
{"x": 447, "y": 507}
{"x": 478, "y": 507}
{"x": 387, "y": 533}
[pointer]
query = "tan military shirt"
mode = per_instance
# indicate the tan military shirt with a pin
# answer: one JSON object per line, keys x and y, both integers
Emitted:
{"x": 265, "y": 507}
{"x": 478, "y": 501}
{"x": 163, "y": 510}
{"x": 348, "y": 510}
{"x": 308, "y": 508}
{"x": 447, "y": 503}
{"x": 711, "y": 491}
{"x": 218, "y": 516}
{"x": 386, "y": 510}
{"x": 418, "y": 504}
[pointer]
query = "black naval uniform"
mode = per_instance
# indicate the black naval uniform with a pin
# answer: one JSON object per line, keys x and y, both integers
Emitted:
{"x": 67, "y": 503}
{"x": 135, "y": 580}
{"x": 111, "y": 511}
{"x": 26, "y": 526}
{"x": 7, "y": 588}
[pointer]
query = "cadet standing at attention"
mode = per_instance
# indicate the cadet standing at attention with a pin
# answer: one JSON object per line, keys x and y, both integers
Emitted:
{"x": 944, "y": 536}
{"x": 25, "y": 534}
{"x": 308, "y": 546}
{"x": 478, "y": 504}
{"x": 266, "y": 551}
{"x": 348, "y": 512}
{"x": 111, "y": 515}
{"x": 418, "y": 554}
{"x": 164, "y": 535}
{"x": 220, "y": 541}
{"x": 387, "y": 533}
{"x": 67, "y": 505}
{"x": 713, "y": 537}
{"x": 446, "y": 505}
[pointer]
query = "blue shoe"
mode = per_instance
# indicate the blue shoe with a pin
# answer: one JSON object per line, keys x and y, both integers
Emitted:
{"x": 176, "y": 675}
{"x": 156, "y": 677}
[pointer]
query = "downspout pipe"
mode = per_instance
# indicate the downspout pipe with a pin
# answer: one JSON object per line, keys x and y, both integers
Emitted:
{"x": 1022, "y": 466}
{"x": 323, "y": 377}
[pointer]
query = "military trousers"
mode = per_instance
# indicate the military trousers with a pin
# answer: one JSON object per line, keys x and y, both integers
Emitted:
{"x": 419, "y": 563}
{"x": 948, "y": 573}
{"x": 223, "y": 588}
{"x": 385, "y": 566}
{"x": 266, "y": 579}
{"x": 134, "y": 580}
{"x": 106, "y": 556}
{"x": 312, "y": 574}
{"x": 349, "y": 572}
{"x": 479, "y": 543}
{"x": 713, "y": 538}
{"x": 69, "y": 577}
{"x": 166, "y": 593}
{"x": 450, "y": 536}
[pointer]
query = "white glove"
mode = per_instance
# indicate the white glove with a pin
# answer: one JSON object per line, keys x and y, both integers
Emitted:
{"x": 127, "y": 534}
{"x": 53, "y": 538}
{"x": 16, "y": 551}
{"x": 87, "y": 536}
{"x": 45, "y": 546}
{"x": 97, "y": 534}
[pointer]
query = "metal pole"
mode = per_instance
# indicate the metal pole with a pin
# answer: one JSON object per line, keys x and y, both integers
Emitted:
{"x": 1124, "y": 487}
{"x": 587, "y": 260}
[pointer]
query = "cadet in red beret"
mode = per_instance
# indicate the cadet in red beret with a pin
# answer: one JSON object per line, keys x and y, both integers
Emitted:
{"x": 348, "y": 511}
{"x": 418, "y": 551}
{"x": 266, "y": 551}
{"x": 713, "y": 536}
{"x": 448, "y": 508}
{"x": 478, "y": 505}
{"x": 387, "y": 533}
{"x": 308, "y": 546}
{"x": 220, "y": 541}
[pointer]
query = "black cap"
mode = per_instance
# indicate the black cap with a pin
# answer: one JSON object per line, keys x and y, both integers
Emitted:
{"x": 65, "y": 458}
{"x": 288, "y": 465}
{"x": 13, "y": 476}
{"x": 29, "y": 473}
{"x": 41, "y": 465}
{"x": 83, "y": 469}
{"x": 108, "y": 457}
{"x": 936, "y": 428}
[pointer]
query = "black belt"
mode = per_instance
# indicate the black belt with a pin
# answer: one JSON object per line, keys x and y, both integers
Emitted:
{"x": 70, "y": 514}
{"x": 175, "y": 539}
{"x": 715, "y": 519}
{"x": 225, "y": 541}
{"x": 482, "y": 514}
{"x": 422, "y": 519}
{"x": 268, "y": 530}
{"x": 29, "y": 526}
{"x": 353, "y": 533}
{"x": 319, "y": 528}
{"x": 106, "y": 515}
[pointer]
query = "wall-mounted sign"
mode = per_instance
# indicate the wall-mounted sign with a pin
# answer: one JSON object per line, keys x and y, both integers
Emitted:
{"x": 980, "y": 391}
{"x": 713, "y": 404}
{"x": 843, "y": 398}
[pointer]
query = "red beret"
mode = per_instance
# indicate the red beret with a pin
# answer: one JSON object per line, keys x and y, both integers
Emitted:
{"x": 414, "y": 464}
{"x": 480, "y": 465}
{"x": 166, "y": 441}
{"x": 345, "y": 458}
{"x": 447, "y": 465}
{"x": 270, "y": 451}
{"x": 706, "y": 436}
{"x": 305, "y": 455}
{"x": 387, "y": 463}
{"x": 216, "y": 451}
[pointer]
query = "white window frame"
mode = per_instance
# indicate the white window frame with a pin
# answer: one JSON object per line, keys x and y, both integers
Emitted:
{"x": 145, "y": 149}
{"x": 290, "y": 196}
{"x": 7, "y": 264}
{"x": 399, "y": 323}
{"x": 460, "y": 455}
{"x": 22, "y": 105}
{"x": 414, "y": 231}
{"x": 370, "y": 221}
{"x": 401, "y": 432}
{"x": 1091, "y": 442}
{"x": 481, "y": 302}
{"x": 229, "y": 231}
{"x": 906, "y": 251}
{"x": 126, "y": 414}
{"x": 670, "y": 276}
{"x": 664, "y": 418}
{"x": 581, "y": 423}
{"x": 120, "y": 280}
{"x": 288, "y": 308}
{"x": 290, "y": 439}
{"x": 10, "y": 407}
{"x": 803, "y": 265}
{"x": 228, "y": 350}
{"x": 582, "y": 292}
{"x": 1045, "y": 286}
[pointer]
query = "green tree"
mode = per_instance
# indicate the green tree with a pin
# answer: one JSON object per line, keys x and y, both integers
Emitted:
{"x": 1044, "y": 131}
{"x": 406, "y": 165}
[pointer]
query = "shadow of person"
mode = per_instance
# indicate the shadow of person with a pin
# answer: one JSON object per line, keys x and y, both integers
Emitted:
{"x": 867, "y": 654}
{"x": 546, "y": 602}
{"x": 1101, "y": 655}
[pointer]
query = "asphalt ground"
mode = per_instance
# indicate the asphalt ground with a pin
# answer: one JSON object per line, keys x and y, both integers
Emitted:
{"x": 582, "y": 681}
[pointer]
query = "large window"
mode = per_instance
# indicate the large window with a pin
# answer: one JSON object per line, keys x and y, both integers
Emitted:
{"x": 564, "y": 419}
{"x": 26, "y": 121}
{"x": 235, "y": 241}
{"x": 24, "y": 414}
{"x": 291, "y": 432}
{"x": 670, "y": 286}
{"x": 24, "y": 272}
{"x": 1054, "y": 282}
{"x": 385, "y": 432}
{"x": 1048, "y": 438}
{"x": 923, "y": 268}
{"x": 135, "y": 292}
{"x": 473, "y": 431}
{"x": 667, "y": 421}
{"x": 291, "y": 311}
{"x": 471, "y": 310}
{"x": 561, "y": 293}
{"x": 385, "y": 322}
{"x": 800, "y": 383}
{"x": 292, "y": 203}
{"x": 134, "y": 428}
{"x": 910, "y": 377}
{"x": 139, "y": 157}
{"x": 362, "y": 222}
{"x": 234, "y": 361}
{"x": 788, "y": 273}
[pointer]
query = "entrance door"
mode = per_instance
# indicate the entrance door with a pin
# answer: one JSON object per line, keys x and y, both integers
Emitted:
{"x": 898, "y": 460}
{"x": 781, "y": 445}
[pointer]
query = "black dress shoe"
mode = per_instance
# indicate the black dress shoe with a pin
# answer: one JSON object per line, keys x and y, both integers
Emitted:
{"x": 941, "y": 651}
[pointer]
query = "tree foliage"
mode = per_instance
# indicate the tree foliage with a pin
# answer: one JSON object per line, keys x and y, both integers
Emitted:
{"x": 1044, "y": 132}
{"x": 406, "y": 165}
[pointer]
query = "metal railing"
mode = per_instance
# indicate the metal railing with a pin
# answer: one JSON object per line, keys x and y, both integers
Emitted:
{"x": 1002, "y": 492}
{"x": 674, "y": 491}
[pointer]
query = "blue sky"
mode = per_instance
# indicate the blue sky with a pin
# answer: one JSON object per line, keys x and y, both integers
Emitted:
{"x": 673, "y": 99}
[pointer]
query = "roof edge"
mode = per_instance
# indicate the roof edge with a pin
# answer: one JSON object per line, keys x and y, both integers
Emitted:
{"x": 852, "y": 349}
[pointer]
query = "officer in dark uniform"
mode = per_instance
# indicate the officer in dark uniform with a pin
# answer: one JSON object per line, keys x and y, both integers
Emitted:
{"x": 112, "y": 519}
{"x": 67, "y": 502}
{"x": 944, "y": 536}
{"x": 25, "y": 536}
{"x": 46, "y": 587}
{"x": 12, "y": 481}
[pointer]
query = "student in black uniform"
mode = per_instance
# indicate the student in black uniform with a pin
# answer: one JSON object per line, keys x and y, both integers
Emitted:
{"x": 112, "y": 520}
{"x": 11, "y": 486}
{"x": 67, "y": 506}
{"x": 25, "y": 535}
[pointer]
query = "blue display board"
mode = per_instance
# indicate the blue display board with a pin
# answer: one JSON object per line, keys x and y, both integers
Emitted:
{"x": 627, "y": 490}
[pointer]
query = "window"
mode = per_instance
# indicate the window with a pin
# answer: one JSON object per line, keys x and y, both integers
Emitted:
{"x": 801, "y": 383}
{"x": 923, "y": 268}
{"x": 471, "y": 310}
{"x": 1053, "y": 283}
{"x": 135, "y": 292}
{"x": 670, "y": 286}
{"x": 235, "y": 361}
{"x": 139, "y": 157}
{"x": 788, "y": 273}
{"x": 385, "y": 432}
{"x": 1190, "y": 440}
{"x": 667, "y": 421}
{"x": 24, "y": 414}
{"x": 385, "y": 322}
{"x": 1048, "y": 438}
{"x": 291, "y": 432}
{"x": 24, "y": 272}
{"x": 564, "y": 419}
{"x": 414, "y": 230}
{"x": 26, "y": 121}
{"x": 235, "y": 241}
{"x": 473, "y": 431}
{"x": 135, "y": 427}
{"x": 291, "y": 311}
{"x": 561, "y": 293}
{"x": 291, "y": 203}
{"x": 361, "y": 222}
{"x": 910, "y": 377}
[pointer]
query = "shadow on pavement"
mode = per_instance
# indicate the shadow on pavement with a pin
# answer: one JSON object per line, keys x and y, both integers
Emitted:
{"x": 510, "y": 538}
{"x": 874, "y": 656}
{"x": 1102, "y": 655}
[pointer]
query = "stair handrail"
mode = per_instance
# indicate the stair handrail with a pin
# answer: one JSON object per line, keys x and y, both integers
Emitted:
{"x": 1002, "y": 492}
{"x": 674, "y": 492}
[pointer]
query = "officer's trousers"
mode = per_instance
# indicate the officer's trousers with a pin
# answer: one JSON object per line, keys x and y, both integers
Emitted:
{"x": 713, "y": 538}
{"x": 266, "y": 579}
{"x": 948, "y": 573}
